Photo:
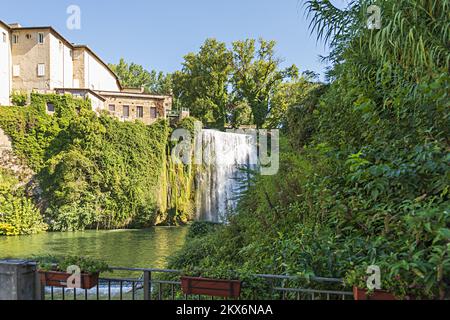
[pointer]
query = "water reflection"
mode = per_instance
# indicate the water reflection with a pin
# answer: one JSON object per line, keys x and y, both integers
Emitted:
{"x": 148, "y": 248}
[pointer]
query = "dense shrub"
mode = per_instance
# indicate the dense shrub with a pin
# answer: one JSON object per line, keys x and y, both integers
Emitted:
{"x": 19, "y": 99}
{"x": 18, "y": 215}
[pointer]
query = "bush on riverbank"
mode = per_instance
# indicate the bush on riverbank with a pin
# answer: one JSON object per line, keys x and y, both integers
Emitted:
{"x": 18, "y": 214}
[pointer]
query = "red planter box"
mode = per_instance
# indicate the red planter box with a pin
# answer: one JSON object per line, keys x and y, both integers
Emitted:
{"x": 59, "y": 279}
{"x": 211, "y": 287}
{"x": 362, "y": 294}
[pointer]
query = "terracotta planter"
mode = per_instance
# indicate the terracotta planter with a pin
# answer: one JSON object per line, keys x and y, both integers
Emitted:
{"x": 59, "y": 279}
{"x": 211, "y": 287}
{"x": 362, "y": 294}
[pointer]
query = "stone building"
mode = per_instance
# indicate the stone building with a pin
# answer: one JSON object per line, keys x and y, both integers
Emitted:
{"x": 39, "y": 59}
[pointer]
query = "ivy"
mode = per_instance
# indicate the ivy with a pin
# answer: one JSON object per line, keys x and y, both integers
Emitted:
{"x": 96, "y": 172}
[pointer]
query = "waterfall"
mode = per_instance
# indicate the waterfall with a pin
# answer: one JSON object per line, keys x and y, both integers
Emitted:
{"x": 221, "y": 179}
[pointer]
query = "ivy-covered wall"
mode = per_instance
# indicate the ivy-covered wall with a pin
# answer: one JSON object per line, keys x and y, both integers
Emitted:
{"x": 95, "y": 172}
{"x": 180, "y": 190}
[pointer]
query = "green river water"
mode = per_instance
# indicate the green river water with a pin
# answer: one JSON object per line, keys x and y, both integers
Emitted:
{"x": 147, "y": 248}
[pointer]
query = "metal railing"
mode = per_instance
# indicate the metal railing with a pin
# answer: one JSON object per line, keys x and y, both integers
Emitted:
{"x": 160, "y": 284}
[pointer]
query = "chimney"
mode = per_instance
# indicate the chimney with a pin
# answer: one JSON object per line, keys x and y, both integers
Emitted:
{"x": 15, "y": 25}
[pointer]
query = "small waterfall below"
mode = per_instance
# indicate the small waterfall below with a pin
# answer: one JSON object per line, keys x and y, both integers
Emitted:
{"x": 221, "y": 179}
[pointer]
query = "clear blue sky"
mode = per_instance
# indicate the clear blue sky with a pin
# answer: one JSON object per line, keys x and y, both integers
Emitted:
{"x": 158, "y": 33}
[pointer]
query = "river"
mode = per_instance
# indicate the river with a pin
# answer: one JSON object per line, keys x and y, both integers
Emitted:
{"x": 147, "y": 248}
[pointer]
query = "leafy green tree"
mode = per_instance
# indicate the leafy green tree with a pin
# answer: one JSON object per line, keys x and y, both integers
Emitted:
{"x": 136, "y": 76}
{"x": 286, "y": 95}
{"x": 202, "y": 84}
{"x": 256, "y": 75}
{"x": 240, "y": 114}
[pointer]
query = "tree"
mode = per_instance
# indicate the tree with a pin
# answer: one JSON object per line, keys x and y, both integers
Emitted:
{"x": 287, "y": 95}
{"x": 256, "y": 75}
{"x": 202, "y": 84}
{"x": 136, "y": 76}
{"x": 240, "y": 114}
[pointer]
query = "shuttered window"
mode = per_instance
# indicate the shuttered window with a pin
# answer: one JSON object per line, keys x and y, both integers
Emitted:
{"x": 126, "y": 111}
{"x": 41, "y": 70}
{"x": 153, "y": 114}
{"x": 16, "y": 70}
{"x": 139, "y": 112}
{"x": 40, "y": 38}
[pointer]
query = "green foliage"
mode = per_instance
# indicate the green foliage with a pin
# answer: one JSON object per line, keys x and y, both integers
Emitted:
{"x": 240, "y": 114}
{"x": 18, "y": 215}
{"x": 201, "y": 228}
{"x": 33, "y": 132}
{"x": 202, "y": 84}
{"x": 108, "y": 175}
{"x": 19, "y": 99}
{"x": 290, "y": 97}
{"x": 364, "y": 176}
{"x": 180, "y": 180}
{"x": 95, "y": 171}
{"x": 135, "y": 76}
{"x": 87, "y": 265}
{"x": 234, "y": 86}
{"x": 256, "y": 75}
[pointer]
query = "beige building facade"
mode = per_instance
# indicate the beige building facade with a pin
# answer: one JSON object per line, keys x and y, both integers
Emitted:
{"x": 129, "y": 105}
{"x": 39, "y": 59}
{"x": 5, "y": 64}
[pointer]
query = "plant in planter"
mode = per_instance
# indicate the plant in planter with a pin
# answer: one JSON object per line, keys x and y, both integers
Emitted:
{"x": 396, "y": 284}
{"x": 55, "y": 271}
{"x": 412, "y": 267}
{"x": 360, "y": 290}
{"x": 222, "y": 285}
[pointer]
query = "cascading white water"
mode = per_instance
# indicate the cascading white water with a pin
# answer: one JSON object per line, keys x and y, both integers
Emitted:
{"x": 221, "y": 179}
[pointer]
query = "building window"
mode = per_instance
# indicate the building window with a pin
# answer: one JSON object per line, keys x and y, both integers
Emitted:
{"x": 40, "y": 37}
{"x": 153, "y": 114}
{"x": 126, "y": 111}
{"x": 50, "y": 107}
{"x": 16, "y": 70}
{"x": 41, "y": 70}
{"x": 112, "y": 108}
{"x": 4, "y": 37}
{"x": 140, "y": 112}
{"x": 15, "y": 39}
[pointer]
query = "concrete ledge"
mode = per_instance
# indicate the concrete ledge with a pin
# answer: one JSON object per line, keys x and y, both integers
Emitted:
{"x": 18, "y": 280}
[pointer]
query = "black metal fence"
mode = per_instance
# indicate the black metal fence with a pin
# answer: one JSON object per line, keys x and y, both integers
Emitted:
{"x": 158, "y": 284}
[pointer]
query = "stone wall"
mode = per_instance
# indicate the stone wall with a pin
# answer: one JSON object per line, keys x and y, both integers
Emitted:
{"x": 5, "y": 141}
